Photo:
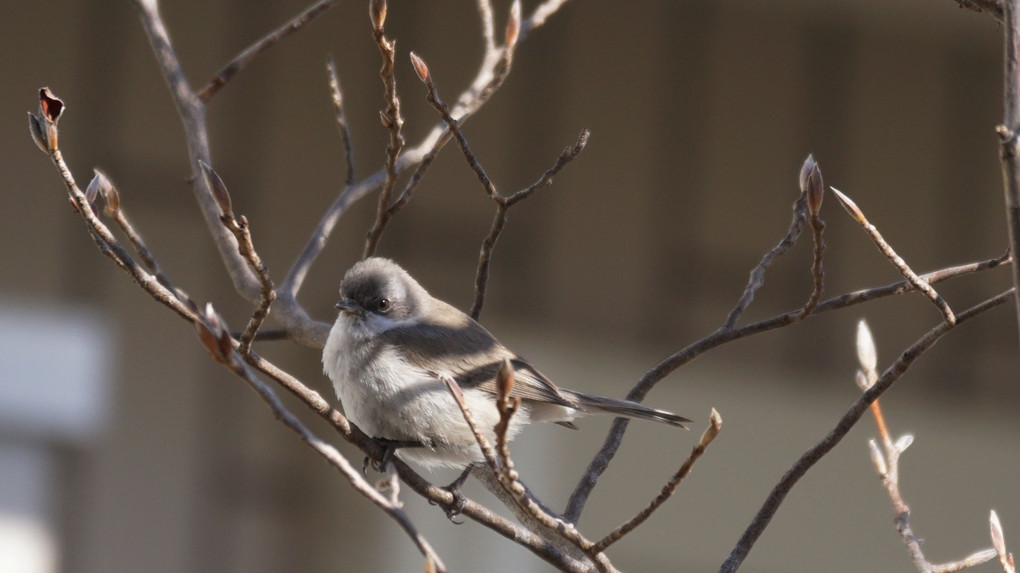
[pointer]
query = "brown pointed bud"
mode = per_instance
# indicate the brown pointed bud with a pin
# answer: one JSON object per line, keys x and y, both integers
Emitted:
{"x": 100, "y": 185}
{"x": 430, "y": 565}
{"x": 420, "y": 68}
{"x": 505, "y": 380}
{"x": 38, "y": 134}
{"x": 386, "y": 121}
{"x": 877, "y": 459}
{"x": 226, "y": 345}
{"x": 218, "y": 187}
{"x": 513, "y": 25}
{"x": 850, "y": 207}
{"x": 210, "y": 331}
{"x": 714, "y": 426}
{"x": 866, "y": 354}
{"x": 811, "y": 185}
{"x": 208, "y": 340}
{"x": 112, "y": 199}
{"x": 50, "y": 106}
{"x": 377, "y": 12}
{"x": 50, "y": 109}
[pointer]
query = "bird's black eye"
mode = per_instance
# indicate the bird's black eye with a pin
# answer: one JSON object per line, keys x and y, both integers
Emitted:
{"x": 383, "y": 305}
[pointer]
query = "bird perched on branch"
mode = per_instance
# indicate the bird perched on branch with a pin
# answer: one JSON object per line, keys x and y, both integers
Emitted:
{"x": 392, "y": 347}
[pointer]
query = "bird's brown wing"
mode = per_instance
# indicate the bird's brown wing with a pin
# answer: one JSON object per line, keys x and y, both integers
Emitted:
{"x": 465, "y": 351}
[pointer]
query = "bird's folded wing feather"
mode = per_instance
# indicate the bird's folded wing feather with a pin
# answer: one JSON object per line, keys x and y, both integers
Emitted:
{"x": 472, "y": 357}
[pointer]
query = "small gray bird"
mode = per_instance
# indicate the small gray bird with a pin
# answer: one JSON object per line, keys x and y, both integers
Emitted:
{"x": 392, "y": 346}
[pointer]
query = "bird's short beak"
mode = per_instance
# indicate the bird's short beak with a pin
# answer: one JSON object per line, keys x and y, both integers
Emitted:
{"x": 349, "y": 306}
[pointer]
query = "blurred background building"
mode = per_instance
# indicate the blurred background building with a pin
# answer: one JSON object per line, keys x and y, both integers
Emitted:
{"x": 123, "y": 448}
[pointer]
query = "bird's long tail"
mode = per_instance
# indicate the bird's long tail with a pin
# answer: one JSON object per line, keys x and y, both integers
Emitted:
{"x": 625, "y": 408}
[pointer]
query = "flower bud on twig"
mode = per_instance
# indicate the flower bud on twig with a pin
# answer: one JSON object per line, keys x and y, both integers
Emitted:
{"x": 866, "y": 354}
{"x": 811, "y": 185}
{"x": 377, "y": 12}
{"x": 850, "y": 207}
{"x": 999, "y": 542}
{"x": 218, "y": 187}
{"x": 419, "y": 67}
{"x": 43, "y": 126}
{"x": 714, "y": 426}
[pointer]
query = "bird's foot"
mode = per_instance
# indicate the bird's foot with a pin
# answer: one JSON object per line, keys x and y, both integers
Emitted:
{"x": 459, "y": 501}
{"x": 390, "y": 448}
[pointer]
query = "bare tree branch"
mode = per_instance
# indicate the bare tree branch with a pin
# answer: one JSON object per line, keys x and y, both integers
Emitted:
{"x": 886, "y": 460}
{"x": 242, "y": 60}
{"x": 601, "y": 461}
{"x": 341, "y": 120}
{"x": 246, "y": 248}
{"x": 503, "y": 202}
{"x": 843, "y": 426}
{"x": 391, "y": 119}
{"x": 757, "y": 278}
{"x": 715, "y": 425}
{"x": 897, "y": 261}
{"x": 191, "y": 110}
{"x": 1009, "y": 132}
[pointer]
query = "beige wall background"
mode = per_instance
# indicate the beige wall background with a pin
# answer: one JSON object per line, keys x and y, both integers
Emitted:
{"x": 701, "y": 114}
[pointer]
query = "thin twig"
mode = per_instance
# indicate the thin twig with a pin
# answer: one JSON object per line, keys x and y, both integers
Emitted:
{"x": 241, "y": 60}
{"x": 599, "y": 464}
{"x": 757, "y": 278}
{"x": 246, "y": 248}
{"x": 412, "y": 184}
{"x": 142, "y": 249}
{"x": 843, "y": 426}
{"x": 503, "y": 202}
{"x": 817, "y": 270}
{"x": 715, "y": 425}
{"x": 336, "y": 95}
{"x": 897, "y": 261}
{"x": 393, "y": 122}
{"x": 972, "y": 560}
